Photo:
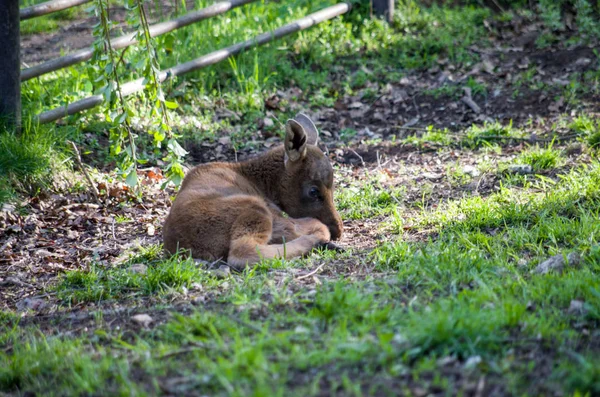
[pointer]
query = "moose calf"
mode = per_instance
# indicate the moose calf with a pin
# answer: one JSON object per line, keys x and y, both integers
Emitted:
{"x": 234, "y": 211}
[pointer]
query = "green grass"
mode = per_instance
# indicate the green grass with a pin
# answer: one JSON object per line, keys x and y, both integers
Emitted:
{"x": 30, "y": 160}
{"x": 489, "y": 135}
{"x": 159, "y": 277}
{"x": 466, "y": 294}
{"x": 48, "y": 23}
{"x": 441, "y": 138}
{"x": 368, "y": 198}
{"x": 541, "y": 159}
{"x": 453, "y": 281}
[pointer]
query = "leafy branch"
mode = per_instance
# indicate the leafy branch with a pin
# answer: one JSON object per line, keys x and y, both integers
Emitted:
{"x": 105, "y": 65}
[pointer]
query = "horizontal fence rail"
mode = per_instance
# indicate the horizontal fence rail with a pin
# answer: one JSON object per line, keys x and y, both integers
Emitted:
{"x": 128, "y": 39}
{"x": 48, "y": 7}
{"x": 201, "y": 62}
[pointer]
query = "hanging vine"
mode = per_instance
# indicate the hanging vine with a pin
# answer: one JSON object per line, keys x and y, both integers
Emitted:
{"x": 104, "y": 67}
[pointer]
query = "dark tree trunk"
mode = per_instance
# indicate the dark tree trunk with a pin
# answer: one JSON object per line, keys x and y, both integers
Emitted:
{"x": 383, "y": 9}
{"x": 10, "y": 68}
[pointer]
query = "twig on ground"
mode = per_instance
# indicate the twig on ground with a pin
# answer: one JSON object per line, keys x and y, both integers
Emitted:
{"x": 362, "y": 161}
{"x": 414, "y": 100}
{"x": 409, "y": 125}
{"x": 310, "y": 273}
{"x": 500, "y": 8}
{"x": 471, "y": 103}
{"x": 374, "y": 102}
{"x": 80, "y": 164}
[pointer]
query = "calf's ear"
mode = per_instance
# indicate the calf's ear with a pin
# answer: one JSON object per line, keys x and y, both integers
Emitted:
{"x": 312, "y": 134}
{"x": 295, "y": 141}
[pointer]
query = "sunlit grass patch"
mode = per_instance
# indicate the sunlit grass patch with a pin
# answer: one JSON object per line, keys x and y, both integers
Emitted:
{"x": 541, "y": 159}
{"x": 489, "y": 134}
{"x": 367, "y": 197}
{"x": 31, "y": 159}
{"x": 443, "y": 138}
{"x": 142, "y": 275}
{"x": 579, "y": 187}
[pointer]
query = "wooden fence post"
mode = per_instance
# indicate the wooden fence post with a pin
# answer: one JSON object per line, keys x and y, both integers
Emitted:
{"x": 10, "y": 68}
{"x": 383, "y": 8}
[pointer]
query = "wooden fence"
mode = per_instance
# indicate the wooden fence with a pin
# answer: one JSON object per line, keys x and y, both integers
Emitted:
{"x": 11, "y": 75}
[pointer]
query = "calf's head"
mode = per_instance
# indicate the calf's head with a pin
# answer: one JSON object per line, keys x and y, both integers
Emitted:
{"x": 307, "y": 183}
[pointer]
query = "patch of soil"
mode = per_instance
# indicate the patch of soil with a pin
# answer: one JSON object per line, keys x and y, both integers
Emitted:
{"x": 68, "y": 231}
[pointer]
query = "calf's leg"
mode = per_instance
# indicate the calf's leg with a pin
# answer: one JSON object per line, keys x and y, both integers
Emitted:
{"x": 253, "y": 230}
{"x": 288, "y": 229}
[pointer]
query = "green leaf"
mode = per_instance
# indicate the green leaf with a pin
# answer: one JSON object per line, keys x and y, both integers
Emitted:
{"x": 176, "y": 179}
{"x": 168, "y": 43}
{"x": 158, "y": 137}
{"x": 174, "y": 146}
{"x": 132, "y": 178}
{"x": 122, "y": 117}
{"x": 171, "y": 105}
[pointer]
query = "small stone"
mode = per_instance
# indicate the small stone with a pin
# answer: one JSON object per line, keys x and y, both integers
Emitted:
{"x": 520, "y": 169}
{"x": 225, "y": 140}
{"x": 399, "y": 339}
{"x": 268, "y": 123}
{"x": 522, "y": 262}
{"x": 301, "y": 330}
{"x": 198, "y": 300}
{"x": 557, "y": 263}
{"x": 471, "y": 170}
{"x": 583, "y": 61}
{"x": 222, "y": 272}
{"x": 472, "y": 362}
{"x": 142, "y": 319}
{"x": 432, "y": 176}
{"x": 151, "y": 229}
{"x": 444, "y": 361}
{"x": 138, "y": 268}
{"x": 577, "y": 307}
{"x": 419, "y": 392}
{"x": 574, "y": 149}
{"x": 201, "y": 262}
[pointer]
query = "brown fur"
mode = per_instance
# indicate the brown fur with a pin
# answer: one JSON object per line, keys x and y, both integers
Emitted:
{"x": 233, "y": 211}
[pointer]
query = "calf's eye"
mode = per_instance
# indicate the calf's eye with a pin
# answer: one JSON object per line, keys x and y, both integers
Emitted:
{"x": 314, "y": 192}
